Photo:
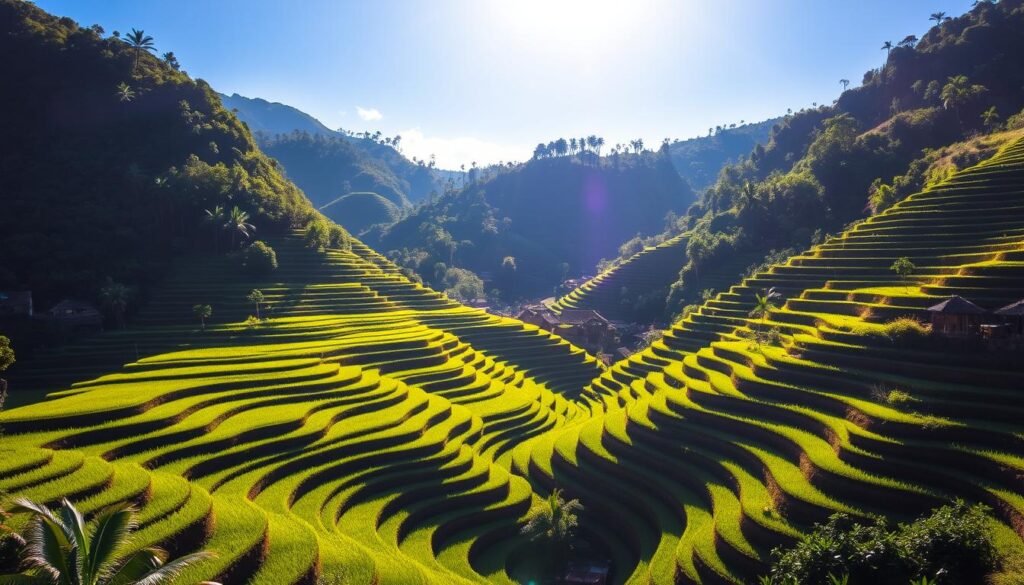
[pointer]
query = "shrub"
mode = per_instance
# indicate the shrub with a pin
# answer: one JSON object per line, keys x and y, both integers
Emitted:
{"x": 951, "y": 545}
{"x": 260, "y": 259}
{"x": 339, "y": 238}
{"x": 906, "y": 330}
{"x": 1015, "y": 121}
{"x": 318, "y": 234}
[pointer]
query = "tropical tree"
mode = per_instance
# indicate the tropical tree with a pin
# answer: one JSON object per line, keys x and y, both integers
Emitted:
{"x": 845, "y": 83}
{"x": 908, "y": 41}
{"x": 215, "y": 218}
{"x": 203, "y": 312}
{"x": 938, "y": 17}
{"x": 256, "y": 297}
{"x": 763, "y": 306}
{"x": 61, "y": 548}
{"x": 887, "y": 46}
{"x": 238, "y": 224}
{"x": 958, "y": 92}
{"x": 172, "y": 60}
{"x": 990, "y": 118}
{"x": 139, "y": 41}
{"x": 115, "y": 297}
{"x": 553, "y": 521}
{"x": 903, "y": 267}
{"x": 125, "y": 93}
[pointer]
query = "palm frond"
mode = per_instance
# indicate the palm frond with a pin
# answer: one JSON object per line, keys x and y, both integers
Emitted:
{"x": 171, "y": 570}
{"x": 108, "y": 534}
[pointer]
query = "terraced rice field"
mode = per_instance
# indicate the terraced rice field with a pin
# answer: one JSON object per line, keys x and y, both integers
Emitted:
{"x": 375, "y": 430}
{"x": 654, "y": 267}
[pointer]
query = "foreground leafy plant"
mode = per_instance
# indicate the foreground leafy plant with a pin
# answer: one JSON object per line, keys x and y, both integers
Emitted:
{"x": 952, "y": 545}
{"x": 61, "y": 548}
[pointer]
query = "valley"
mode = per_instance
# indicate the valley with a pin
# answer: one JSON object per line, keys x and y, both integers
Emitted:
{"x": 239, "y": 347}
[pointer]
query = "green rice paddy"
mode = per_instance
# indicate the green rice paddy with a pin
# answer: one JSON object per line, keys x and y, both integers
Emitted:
{"x": 374, "y": 431}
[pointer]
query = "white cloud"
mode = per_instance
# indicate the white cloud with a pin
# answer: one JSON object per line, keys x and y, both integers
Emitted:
{"x": 369, "y": 114}
{"x": 459, "y": 150}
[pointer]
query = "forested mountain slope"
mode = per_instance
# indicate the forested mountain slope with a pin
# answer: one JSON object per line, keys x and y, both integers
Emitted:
{"x": 142, "y": 151}
{"x": 327, "y": 164}
{"x": 699, "y": 159}
{"x": 552, "y": 216}
{"x": 829, "y": 165}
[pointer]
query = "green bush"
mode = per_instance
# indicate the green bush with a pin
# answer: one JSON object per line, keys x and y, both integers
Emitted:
{"x": 260, "y": 259}
{"x": 318, "y": 234}
{"x": 952, "y": 545}
{"x": 906, "y": 331}
{"x": 338, "y": 237}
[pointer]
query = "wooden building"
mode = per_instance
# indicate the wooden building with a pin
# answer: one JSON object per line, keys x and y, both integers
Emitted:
{"x": 956, "y": 317}
{"x": 1013, "y": 317}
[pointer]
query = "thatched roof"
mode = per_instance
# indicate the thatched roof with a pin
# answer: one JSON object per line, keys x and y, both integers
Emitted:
{"x": 1012, "y": 310}
{"x": 957, "y": 305}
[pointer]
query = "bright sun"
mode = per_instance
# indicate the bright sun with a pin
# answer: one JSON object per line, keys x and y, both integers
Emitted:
{"x": 572, "y": 25}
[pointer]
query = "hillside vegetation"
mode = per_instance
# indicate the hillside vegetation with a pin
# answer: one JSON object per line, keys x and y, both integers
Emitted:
{"x": 358, "y": 211}
{"x": 142, "y": 151}
{"x": 551, "y": 216}
{"x": 830, "y": 165}
{"x": 698, "y": 160}
{"x": 327, "y": 164}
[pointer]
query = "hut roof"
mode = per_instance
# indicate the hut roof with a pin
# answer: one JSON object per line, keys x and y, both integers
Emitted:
{"x": 580, "y": 316}
{"x": 957, "y": 305}
{"x": 1012, "y": 310}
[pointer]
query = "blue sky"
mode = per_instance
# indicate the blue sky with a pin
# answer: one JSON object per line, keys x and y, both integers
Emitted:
{"x": 486, "y": 80}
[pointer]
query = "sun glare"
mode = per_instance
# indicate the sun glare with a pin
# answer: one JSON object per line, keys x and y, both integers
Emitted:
{"x": 571, "y": 25}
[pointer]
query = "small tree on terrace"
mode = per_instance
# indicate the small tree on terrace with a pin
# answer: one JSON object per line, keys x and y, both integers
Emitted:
{"x": 553, "y": 521}
{"x": 61, "y": 548}
{"x": 903, "y": 267}
{"x": 203, "y": 312}
{"x": 256, "y": 298}
{"x": 763, "y": 306}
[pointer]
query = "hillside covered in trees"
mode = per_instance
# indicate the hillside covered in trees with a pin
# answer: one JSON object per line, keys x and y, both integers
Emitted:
{"x": 111, "y": 159}
{"x": 830, "y": 165}
{"x": 699, "y": 159}
{"x": 527, "y": 226}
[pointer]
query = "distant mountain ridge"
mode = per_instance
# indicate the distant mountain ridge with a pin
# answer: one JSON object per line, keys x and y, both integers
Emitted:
{"x": 327, "y": 164}
{"x": 273, "y": 117}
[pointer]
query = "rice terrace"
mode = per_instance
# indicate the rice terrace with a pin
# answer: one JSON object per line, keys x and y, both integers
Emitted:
{"x": 806, "y": 365}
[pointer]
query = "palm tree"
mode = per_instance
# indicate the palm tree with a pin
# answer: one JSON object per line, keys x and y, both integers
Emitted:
{"x": 215, "y": 217}
{"x": 958, "y": 92}
{"x": 845, "y": 83}
{"x": 238, "y": 224}
{"x": 763, "y": 305}
{"x": 938, "y": 17}
{"x": 125, "y": 93}
{"x": 61, "y": 548}
{"x": 599, "y": 144}
{"x": 887, "y": 46}
{"x": 554, "y": 520}
{"x": 139, "y": 40}
{"x": 116, "y": 296}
